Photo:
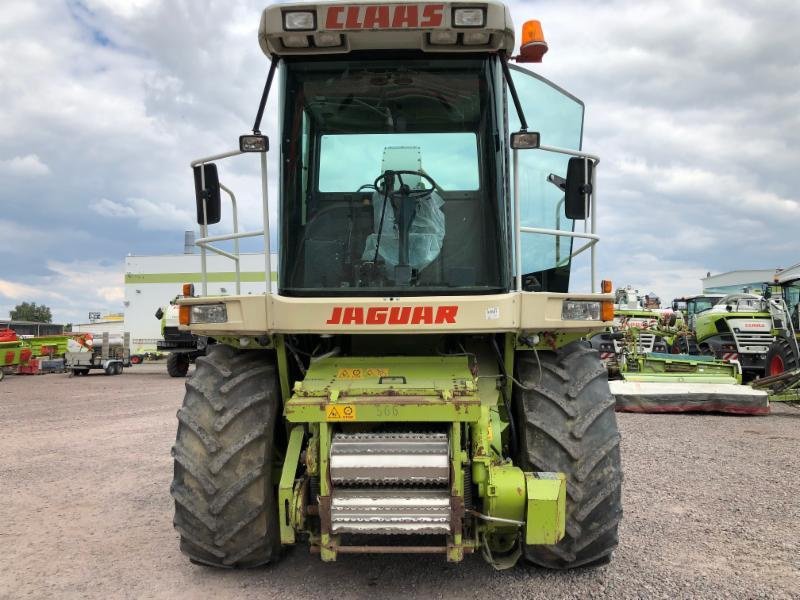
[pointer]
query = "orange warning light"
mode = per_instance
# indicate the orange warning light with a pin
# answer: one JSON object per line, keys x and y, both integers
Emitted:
{"x": 533, "y": 45}
{"x": 606, "y": 311}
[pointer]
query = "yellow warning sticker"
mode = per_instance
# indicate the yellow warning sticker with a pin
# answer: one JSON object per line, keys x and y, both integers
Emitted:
{"x": 340, "y": 412}
{"x": 358, "y": 373}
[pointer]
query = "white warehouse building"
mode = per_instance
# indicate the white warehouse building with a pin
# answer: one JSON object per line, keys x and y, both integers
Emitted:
{"x": 152, "y": 281}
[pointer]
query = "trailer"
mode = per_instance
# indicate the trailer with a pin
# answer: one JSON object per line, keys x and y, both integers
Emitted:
{"x": 111, "y": 355}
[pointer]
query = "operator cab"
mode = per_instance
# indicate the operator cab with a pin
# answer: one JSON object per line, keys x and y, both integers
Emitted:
{"x": 392, "y": 179}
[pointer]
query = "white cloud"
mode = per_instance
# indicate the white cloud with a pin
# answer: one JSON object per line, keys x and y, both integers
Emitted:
{"x": 28, "y": 165}
{"x": 108, "y": 208}
{"x": 149, "y": 214}
{"x": 70, "y": 289}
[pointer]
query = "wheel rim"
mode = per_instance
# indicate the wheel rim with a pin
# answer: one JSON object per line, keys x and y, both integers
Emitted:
{"x": 776, "y": 366}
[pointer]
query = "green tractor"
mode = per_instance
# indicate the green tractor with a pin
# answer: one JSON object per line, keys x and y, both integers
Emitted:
{"x": 417, "y": 384}
{"x": 689, "y": 307}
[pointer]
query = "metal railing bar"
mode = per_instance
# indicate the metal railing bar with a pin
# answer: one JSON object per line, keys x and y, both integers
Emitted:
{"x": 517, "y": 224}
{"x": 574, "y": 234}
{"x": 236, "y": 239}
{"x": 221, "y": 252}
{"x": 578, "y": 153}
{"x": 214, "y": 157}
{"x": 229, "y": 236}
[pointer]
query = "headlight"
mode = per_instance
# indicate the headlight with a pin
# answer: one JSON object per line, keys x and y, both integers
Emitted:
{"x": 580, "y": 310}
{"x": 469, "y": 17}
{"x": 209, "y": 313}
{"x": 299, "y": 21}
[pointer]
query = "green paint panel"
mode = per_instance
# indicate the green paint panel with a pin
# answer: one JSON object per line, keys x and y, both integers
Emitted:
{"x": 680, "y": 368}
{"x": 58, "y": 342}
{"x": 545, "y": 519}
{"x": 706, "y": 322}
{"x": 286, "y": 487}
{"x": 385, "y": 389}
{"x": 10, "y": 354}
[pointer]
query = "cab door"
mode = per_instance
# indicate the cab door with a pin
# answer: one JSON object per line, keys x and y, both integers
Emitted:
{"x": 558, "y": 117}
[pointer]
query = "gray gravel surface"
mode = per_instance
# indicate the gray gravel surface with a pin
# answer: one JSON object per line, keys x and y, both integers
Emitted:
{"x": 712, "y": 509}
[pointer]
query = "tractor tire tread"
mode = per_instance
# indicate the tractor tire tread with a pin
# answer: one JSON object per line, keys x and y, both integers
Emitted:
{"x": 225, "y": 501}
{"x": 581, "y": 441}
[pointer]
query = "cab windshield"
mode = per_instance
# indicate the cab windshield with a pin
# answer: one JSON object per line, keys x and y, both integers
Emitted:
{"x": 699, "y": 305}
{"x": 390, "y": 178}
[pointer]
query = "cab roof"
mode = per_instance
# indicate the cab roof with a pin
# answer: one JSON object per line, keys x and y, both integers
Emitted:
{"x": 337, "y": 27}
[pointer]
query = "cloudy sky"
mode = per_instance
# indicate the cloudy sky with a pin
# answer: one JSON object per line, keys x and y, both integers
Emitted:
{"x": 693, "y": 107}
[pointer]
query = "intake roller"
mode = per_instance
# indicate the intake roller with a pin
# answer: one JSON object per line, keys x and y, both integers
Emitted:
{"x": 390, "y": 511}
{"x": 390, "y": 459}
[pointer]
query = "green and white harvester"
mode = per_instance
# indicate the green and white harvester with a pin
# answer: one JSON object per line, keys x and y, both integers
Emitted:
{"x": 784, "y": 354}
{"x": 783, "y": 358}
{"x": 416, "y": 383}
{"x": 737, "y": 328}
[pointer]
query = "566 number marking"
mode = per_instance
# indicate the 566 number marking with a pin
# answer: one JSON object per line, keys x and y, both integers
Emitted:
{"x": 388, "y": 411}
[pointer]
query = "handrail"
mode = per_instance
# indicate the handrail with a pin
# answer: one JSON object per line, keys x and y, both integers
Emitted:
{"x": 205, "y": 242}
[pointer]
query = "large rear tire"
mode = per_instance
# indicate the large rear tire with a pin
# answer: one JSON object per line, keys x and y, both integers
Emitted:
{"x": 225, "y": 505}
{"x": 567, "y": 424}
{"x": 177, "y": 364}
{"x": 781, "y": 357}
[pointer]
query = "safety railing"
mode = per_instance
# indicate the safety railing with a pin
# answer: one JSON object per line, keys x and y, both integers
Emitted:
{"x": 589, "y": 224}
{"x": 206, "y": 242}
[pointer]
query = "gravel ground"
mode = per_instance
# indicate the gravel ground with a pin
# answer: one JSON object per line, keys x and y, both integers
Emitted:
{"x": 712, "y": 509}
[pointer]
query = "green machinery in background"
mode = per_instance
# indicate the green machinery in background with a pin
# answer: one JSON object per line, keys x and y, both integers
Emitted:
{"x": 784, "y": 353}
{"x": 13, "y": 352}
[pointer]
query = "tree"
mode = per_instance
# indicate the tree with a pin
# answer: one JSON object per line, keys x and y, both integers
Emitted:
{"x": 30, "y": 311}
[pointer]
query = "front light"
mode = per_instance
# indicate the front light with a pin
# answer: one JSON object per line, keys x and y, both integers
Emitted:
{"x": 295, "y": 40}
{"x": 209, "y": 313}
{"x": 580, "y": 310}
{"x": 299, "y": 21}
{"x": 476, "y": 38}
{"x": 253, "y": 143}
{"x": 443, "y": 38}
{"x": 469, "y": 17}
{"x": 327, "y": 40}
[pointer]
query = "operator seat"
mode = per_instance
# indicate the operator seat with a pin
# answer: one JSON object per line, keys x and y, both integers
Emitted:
{"x": 428, "y": 227}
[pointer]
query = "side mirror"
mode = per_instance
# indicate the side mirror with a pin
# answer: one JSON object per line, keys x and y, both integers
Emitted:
{"x": 159, "y": 314}
{"x": 577, "y": 188}
{"x": 210, "y": 193}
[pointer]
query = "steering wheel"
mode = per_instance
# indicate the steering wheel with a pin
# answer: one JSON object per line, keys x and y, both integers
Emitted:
{"x": 405, "y": 189}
